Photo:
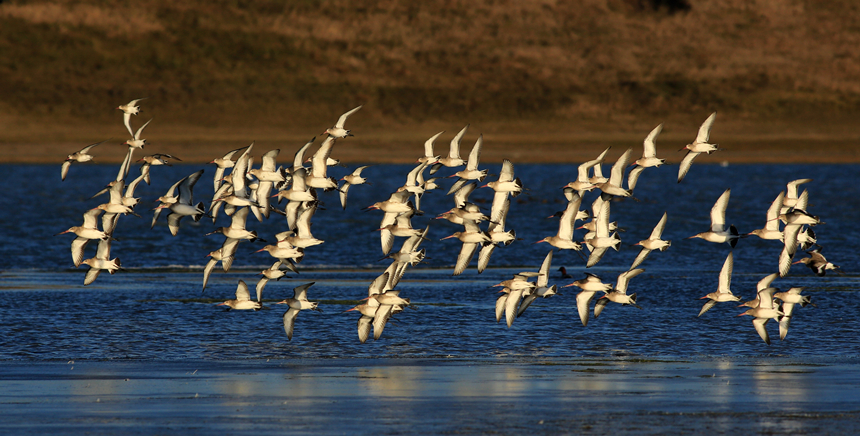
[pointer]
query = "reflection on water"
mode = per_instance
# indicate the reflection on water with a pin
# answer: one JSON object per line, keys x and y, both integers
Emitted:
{"x": 153, "y": 310}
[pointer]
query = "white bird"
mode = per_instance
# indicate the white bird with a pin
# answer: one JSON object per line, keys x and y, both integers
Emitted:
{"x": 718, "y": 232}
{"x": 765, "y": 311}
{"x": 225, "y": 255}
{"x": 303, "y": 237}
{"x": 350, "y": 180}
{"x": 81, "y": 155}
{"x": 222, "y": 163}
{"x": 135, "y": 141}
{"x": 498, "y": 235}
{"x": 429, "y": 157}
{"x": 298, "y": 303}
{"x": 102, "y": 261}
{"x": 597, "y": 178}
{"x": 791, "y": 197}
{"x": 564, "y": 238}
{"x": 613, "y": 186}
{"x": 789, "y": 299}
{"x": 338, "y": 131}
{"x": 243, "y": 299}
{"x": 318, "y": 177}
{"x": 453, "y": 159}
{"x": 582, "y": 182}
{"x": 602, "y": 239}
{"x": 619, "y": 294}
{"x": 652, "y": 243}
{"x": 542, "y": 288}
{"x": 771, "y": 226}
{"x": 471, "y": 172}
{"x": 183, "y": 206}
{"x": 85, "y": 232}
{"x": 470, "y": 237}
{"x": 817, "y": 262}
{"x": 724, "y": 291}
{"x": 649, "y": 157}
{"x": 129, "y": 109}
{"x": 590, "y": 286}
{"x": 697, "y": 147}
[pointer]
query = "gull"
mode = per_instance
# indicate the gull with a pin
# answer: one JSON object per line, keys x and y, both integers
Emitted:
{"x": 590, "y": 286}
{"x": 129, "y": 109}
{"x": 652, "y": 243}
{"x": 765, "y": 311}
{"x": 135, "y": 141}
{"x": 350, "y": 180}
{"x": 771, "y": 227}
{"x": 602, "y": 239}
{"x": 470, "y": 237}
{"x": 453, "y": 160}
{"x": 338, "y": 131}
{"x": 789, "y": 299}
{"x": 225, "y": 255}
{"x": 298, "y": 303}
{"x": 718, "y": 232}
{"x": 649, "y": 157}
{"x": 85, "y": 232}
{"x": 697, "y": 147}
{"x": 616, "y": 177}
{"x": 563, "y": 240}
{"x": 222, "y": 163}
{"x": 471, "y": 172}
{"x": 243, "y": 299}
{"x": 791, "y": 197}
{"x": 724, "y": 291}
{"x": 81, "y": 155}
{"x": 102, "y": 261}
{"x": 183, "y": 206}
{"x": 542, "y": 288}
{"x": 817, "y": 262}
{"x": 619, "y": 294}
{"x": 429, "y": 158}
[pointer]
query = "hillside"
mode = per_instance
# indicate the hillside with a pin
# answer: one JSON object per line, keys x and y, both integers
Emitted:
{"x": 234, "y": 71}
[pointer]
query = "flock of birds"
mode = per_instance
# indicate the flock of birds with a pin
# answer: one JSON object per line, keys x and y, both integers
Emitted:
{"x": 248, "y": 190}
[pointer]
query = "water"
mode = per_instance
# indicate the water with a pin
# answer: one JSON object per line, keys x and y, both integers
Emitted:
{"x": 153, "y": 309}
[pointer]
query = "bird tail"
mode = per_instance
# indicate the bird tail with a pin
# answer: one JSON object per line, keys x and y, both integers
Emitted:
{"x": 735, "y": 236}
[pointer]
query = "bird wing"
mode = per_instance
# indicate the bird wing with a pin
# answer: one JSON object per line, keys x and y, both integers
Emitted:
{"x": 484, "y": 256}
{"x": 65, "y": 169}
{"x": 500, "y": 305}
{"x": 708, "y": 305}
{"x": 78, "y": 245}
{"x": 378, "y": 284}
{"x": 595, "y": 256}
{"x": 507, "y": 173}
{"x": 624, "y": 279}
{"x": 290, "y": 321}
{"x": 643, "y": 254}
{"x": 759, "y": 324}
{"x": 301, "y": 292}
{"x": 499, "y": 211}
{"x": 269, "y": 160}
{"x": 543, "y": 278}
{"x": 343, "y": 192}
{"x": 428, "y": 145}
{"x": 299, "y": 157}
{"x": 342, "y": 120}
{"x": 616, "y": 176}
{"x": 685, "y": 165}
{"x": 303, "y": 223}
{"x": 789, "y": 236}
{"x": 475, "y": 154}
{"x": 91, "y": 218}
{"x": 462, "y": 194}
{"x": 140, "y": 130}
{"x": 103, "y": 252}
{"x": 454, "y": 152}
{"x": 386, "y": 238}
{"x": 791, "y": 187}
{"x": 364, "y": 325}
{"x": 600, "y": 305}
{"x": 601, "y": 225}
{"x": 465, "y": 256}
{"x": 185, "y": 195}
{"x": 207, "y": 270}
{"x": 583, "y": 299}
{"x": 511, "y": 305}
{"x": 658, "y": 229}
{"x": 319, "y": 161}
{"x": 705, "y": 129}
{"x": 242, "y": 293}
{"x": 92, "y": 273}
{"x": 784, "y": 322}
{"x": 725, "y": 282}
{"x": 382, "y": 316}
{"x": 650, "y": 143}
{"x": 772, "y": 222}
{"x": 633, "y": 177}
{"x": 718, "y": 212}
{"x": 239, "y": 218}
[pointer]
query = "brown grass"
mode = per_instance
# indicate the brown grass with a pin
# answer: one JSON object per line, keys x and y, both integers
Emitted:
{"x": 557, "y": 70}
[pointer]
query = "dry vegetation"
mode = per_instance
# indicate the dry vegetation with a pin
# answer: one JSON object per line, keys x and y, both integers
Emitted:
{"x": 231, "y": 71}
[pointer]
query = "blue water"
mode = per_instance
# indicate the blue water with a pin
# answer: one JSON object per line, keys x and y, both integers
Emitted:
{"x": 153, "y": 309}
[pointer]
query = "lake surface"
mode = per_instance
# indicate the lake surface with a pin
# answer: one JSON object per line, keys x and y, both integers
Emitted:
{"x": 154, "y": 309}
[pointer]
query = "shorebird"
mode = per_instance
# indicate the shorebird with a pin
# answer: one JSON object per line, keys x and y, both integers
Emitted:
{"x": 303, "y": 237}
{"x": 497, "y": 234}
{"x": 453, "y": 160}
{"x": 795, "y": 219}
{"x": 652, "y": 243}
{"x": 619, "y": 294}
{"x": 135, "y": 141}
{"x": 338, "y": 131}
{"x": 564, "y": 238}
{"x": 225, "y": 255}
{"x": 471, "y": 172}
{"x": 85, "y": 232}
{"x": 470, "y": 237}
{"x": 114, "y": 207}
{"x": 318, "y": 177}
{"x": 542, "y": 288}
{"x": 506, "y": 184}
{"x": 697, "y": 147}
{"x": 284, "y": 252}
{"x": 81, "y": 155}
{"x": 602, "y": 239}
{"x": 771, "y": 227}
{"x": 273, "y": 272}
{"x": 102, "y": 261}
{"x": 183, "y": 206}
{"x": 762, "y": 284}
{"x": 718, "y": 232}
{"x": 350, "y": 180}
{"x": 765, "y": 311}
{"x": 129, "y": 109}
{"x": 724, "y": 284}
{"x": 153, "y": 160}
{"x": 243, "y": 299}
{"x": 789, "y": 299}
{"x": 429, "y": 157}
{"x": 222, "y": 163}
{"x": 649, "y": 157}
{"x": 412, "y": 186}
{"x": 616, "y": 178}
{"x": 817, "y": 262}
{"x": 298, "y": 303}
{"x": 590, "y": 286}
{"x": 582, "y": 184}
